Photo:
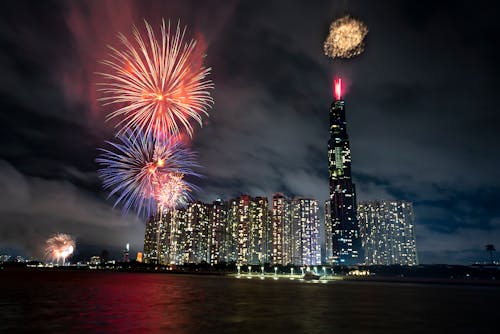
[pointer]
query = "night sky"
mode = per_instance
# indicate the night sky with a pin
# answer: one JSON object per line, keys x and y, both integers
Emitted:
{"x": 421, "y": 104}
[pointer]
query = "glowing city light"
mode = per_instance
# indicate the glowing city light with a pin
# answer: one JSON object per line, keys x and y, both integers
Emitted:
{"x": 337, "y": 87}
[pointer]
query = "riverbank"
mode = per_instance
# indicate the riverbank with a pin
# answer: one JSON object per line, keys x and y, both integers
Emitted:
{"x": 493, "y": 282}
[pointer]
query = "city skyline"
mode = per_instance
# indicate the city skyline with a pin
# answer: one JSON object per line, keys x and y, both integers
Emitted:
{"x": 242, "y": 230}
{"x": 413, "y": 135}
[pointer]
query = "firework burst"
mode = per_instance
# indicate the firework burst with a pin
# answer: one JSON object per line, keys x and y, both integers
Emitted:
{"x": 345, "y": 39}
{"x": 158, "y": 85}
{"x": 59, "y": 247}
{"x": 173, "y": 191}
{"x": 137, "y": 167}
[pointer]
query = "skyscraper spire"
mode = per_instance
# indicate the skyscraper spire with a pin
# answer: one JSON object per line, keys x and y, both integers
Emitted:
{"x": 337, "y": 89}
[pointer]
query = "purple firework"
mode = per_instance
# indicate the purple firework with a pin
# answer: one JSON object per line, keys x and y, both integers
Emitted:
{"x": 136, "y": 165}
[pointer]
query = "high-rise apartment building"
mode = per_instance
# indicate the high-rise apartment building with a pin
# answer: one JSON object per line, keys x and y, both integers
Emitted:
{"x": 198, "y": 233}
{"x": 295, "y": 224}
{"x": 243, "y": 229}
{"x": 232, "y": 225}
{"x": 281, "y": 219}
{"x": 219, "y": 247}
{"x": 328, "y": 233}
{"x": 388, "y": 232}
{"x": 306, "y": 249}
{"x": 155, "y": 239}
{"x": 164, "y": 239}
{"x": 257, "y": 232}
{"x": 252, "y": 216}
{"x": 346, "y": 245}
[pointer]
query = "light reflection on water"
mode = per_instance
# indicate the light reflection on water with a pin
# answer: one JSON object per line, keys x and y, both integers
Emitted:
{"x": 58, "y": 301}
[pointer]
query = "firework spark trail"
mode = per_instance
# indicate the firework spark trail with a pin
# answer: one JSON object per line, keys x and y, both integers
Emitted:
{"x": 137, "y": 166}
{"x": 345, "y": 39}
{"x": 60, "y": 246}
{"x": 158, "y": 86}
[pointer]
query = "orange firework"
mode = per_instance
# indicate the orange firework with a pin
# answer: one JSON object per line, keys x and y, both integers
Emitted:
{"x": 59, "y": 247}
{"x": 157, "y": 85}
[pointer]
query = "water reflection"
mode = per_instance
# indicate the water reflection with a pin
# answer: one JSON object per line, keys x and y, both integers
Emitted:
{"x": 110, "y": 302}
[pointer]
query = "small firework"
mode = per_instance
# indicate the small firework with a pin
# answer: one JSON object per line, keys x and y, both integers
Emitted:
{"x": 345, "y": 39}
{"x": 137, "y": 168}
{"x": 173, "y": 191}
{"x": 157, "y": 85}
{"x": 59, "y": 247}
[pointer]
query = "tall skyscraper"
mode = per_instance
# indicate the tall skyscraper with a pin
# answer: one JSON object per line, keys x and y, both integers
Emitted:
{"x": 388, "y": 232}
{"x": 346, "y": 245}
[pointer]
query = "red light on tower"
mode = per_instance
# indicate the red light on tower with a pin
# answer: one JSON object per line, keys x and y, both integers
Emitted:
{"x": 337, "y": 87}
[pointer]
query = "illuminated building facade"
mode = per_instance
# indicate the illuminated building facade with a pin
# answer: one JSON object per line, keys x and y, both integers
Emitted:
{"x": 219, "y": 233}
{"x": 306, "y": 247}
{"x": 156, "y": 239}
{"x": 346, "y": 244}
{"x": 253, "y": 230}
{"x": 197, "y": 248}
{"x": 388, "y": 232}
{"x": 267, "y": 250}
{"x": 151, "y": 240}
{"x": 328, "y": 233}
{"x": 232, "y": 224}
{"x": 163, "y": 239}
{"x": 281, "y": 218}
{"x": 295, "y": 231}
{"x": 176, "y": 237}
{"x": 257, "y": 232}
{"x": 242, "y": 230}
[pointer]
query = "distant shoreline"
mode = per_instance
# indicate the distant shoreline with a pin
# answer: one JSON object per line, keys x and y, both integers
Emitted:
{"x": 424, "y": 280}
{"x": 267, "y": 276}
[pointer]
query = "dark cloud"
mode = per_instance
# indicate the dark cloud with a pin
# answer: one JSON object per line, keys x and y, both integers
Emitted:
{"x": 34, "y": 208}
{"x": 421, "y": 109}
